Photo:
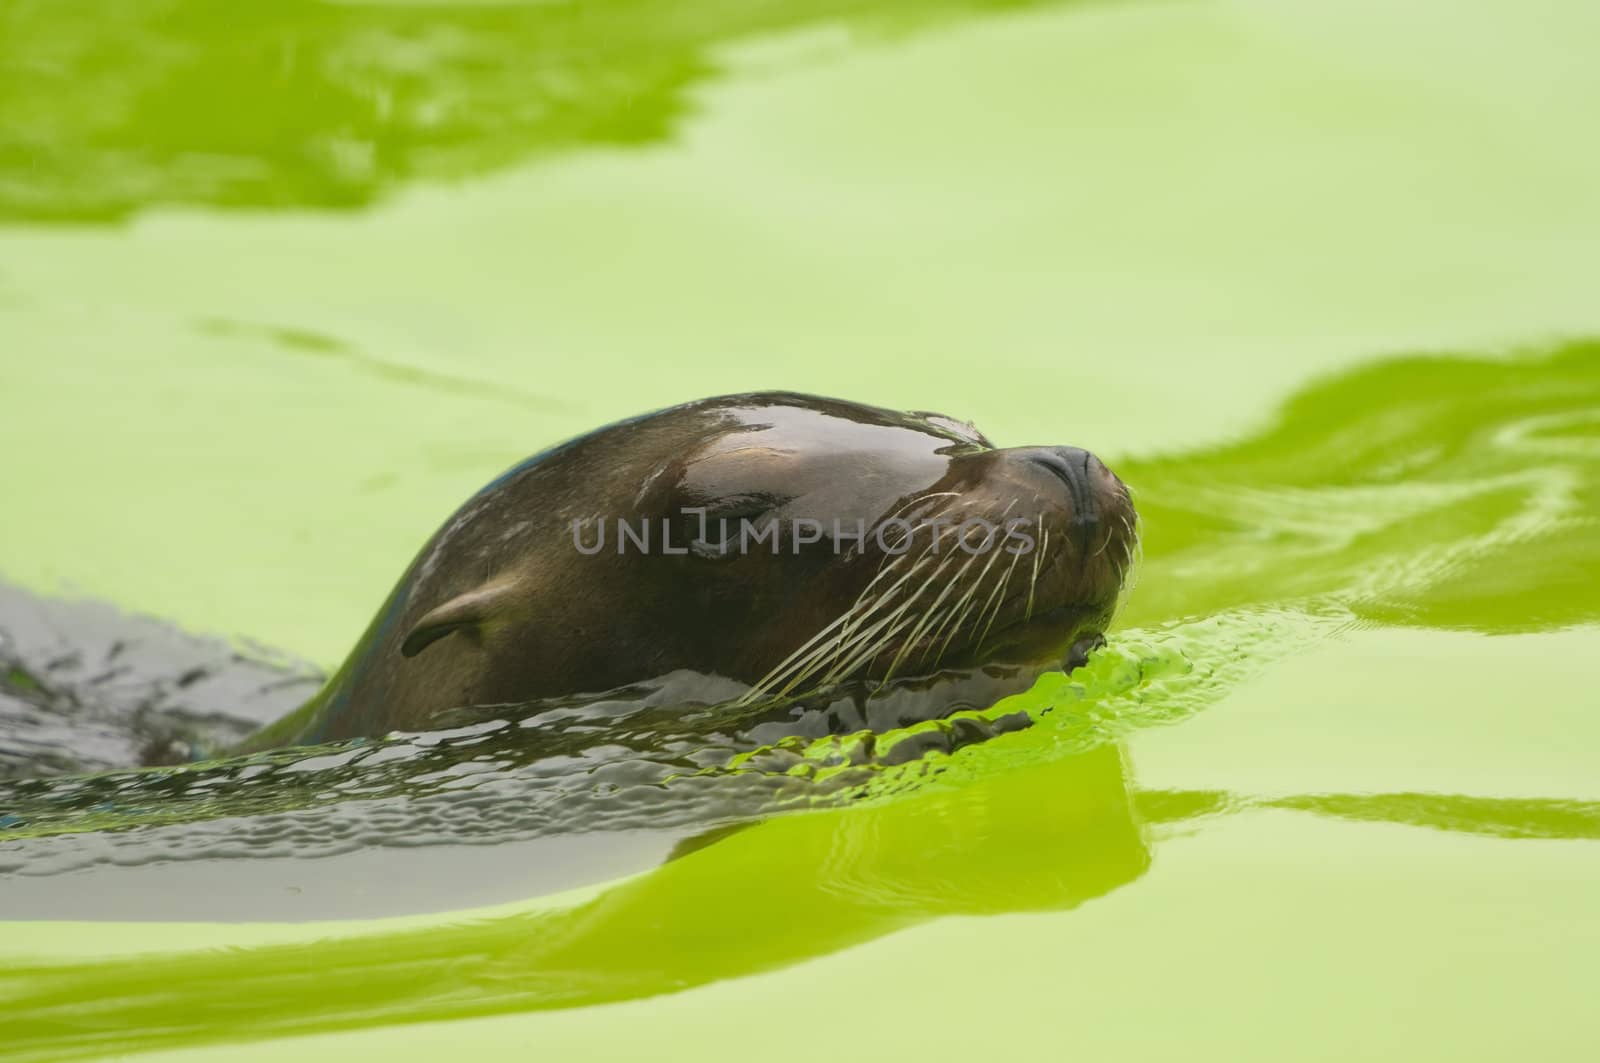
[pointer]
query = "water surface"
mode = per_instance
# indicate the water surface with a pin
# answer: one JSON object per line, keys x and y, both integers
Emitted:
{"x": 1316, "y": 278}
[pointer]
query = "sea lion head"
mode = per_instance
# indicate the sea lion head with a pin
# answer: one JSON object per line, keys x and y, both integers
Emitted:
{"x": 786, "y": 541}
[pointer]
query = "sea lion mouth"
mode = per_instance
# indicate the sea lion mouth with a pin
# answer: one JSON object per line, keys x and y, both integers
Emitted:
{"x": 1078, "y": 653}
{"x": 1061, "y": 638}
{"x": 1044, "y": 651}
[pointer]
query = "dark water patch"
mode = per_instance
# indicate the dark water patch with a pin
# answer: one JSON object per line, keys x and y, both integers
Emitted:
{"x": 85, "y": 687}
{"x": 651, "y": 756}
{"x": 113, "y": 106}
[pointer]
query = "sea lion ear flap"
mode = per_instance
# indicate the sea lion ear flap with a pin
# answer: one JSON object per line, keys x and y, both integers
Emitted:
{"x": 468, "y": 611}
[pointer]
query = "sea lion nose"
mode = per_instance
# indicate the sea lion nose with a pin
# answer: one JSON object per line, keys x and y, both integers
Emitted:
{"x": 1071, "y": 466}
{"x": 1081, "y": 472}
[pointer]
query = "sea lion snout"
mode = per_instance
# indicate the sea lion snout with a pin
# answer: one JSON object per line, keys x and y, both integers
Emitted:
{"x": 1070, "y": 465}
{"x": 1092, "y": 487}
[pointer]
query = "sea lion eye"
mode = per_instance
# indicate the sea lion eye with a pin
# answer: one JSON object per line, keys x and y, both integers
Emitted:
{"x": 716, "y": 532}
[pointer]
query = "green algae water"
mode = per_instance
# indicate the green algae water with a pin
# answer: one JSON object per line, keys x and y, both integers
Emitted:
{"x": 281, "y": 284}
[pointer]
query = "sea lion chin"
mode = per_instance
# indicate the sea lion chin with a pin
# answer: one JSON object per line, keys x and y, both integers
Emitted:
{"x": 788, "y": 542}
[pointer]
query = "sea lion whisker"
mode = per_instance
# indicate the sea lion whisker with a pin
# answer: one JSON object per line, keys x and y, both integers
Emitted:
{"x": 943, "y": 620}
{"x": 1128, "y": 573}
{"x": 817, "y": 654}
{"x": 829, "y": 654}
{"x": 977, "y": 584}
{"x": 849, "y": 629}
{"x": 932, "y": 655}
{"x": 815, "y": 649}
{"x": 932, "y": 613}
{"x": 887, "y": 592}
{"x": 795, "y": 659}
{"x": 1000, "y": 584}
{"x": 954, "y": 617}
{"x": 951, "y": 613}
{"x": 928, "y": 553}
{"x": 947, "y": 615}
{"x": 997, "y": 598}
{"x": 931, "y": 608}
{"x": 898, "y": 514}
{"x": 1111, "y": 529}
{"x": 960, "y": 608}
{"x": 869, "y": 648}
{"x": 963, "y": 611}
{"x": 1033, "y": 581}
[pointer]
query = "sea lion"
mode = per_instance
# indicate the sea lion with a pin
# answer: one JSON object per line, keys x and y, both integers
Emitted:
{"x": 786, "y": 541}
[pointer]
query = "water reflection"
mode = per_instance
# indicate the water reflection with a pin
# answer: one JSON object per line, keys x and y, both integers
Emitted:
{"x": 1046, "y": 838}
{"x": 1443, "y": 491}
{"x": 117, "y": 105}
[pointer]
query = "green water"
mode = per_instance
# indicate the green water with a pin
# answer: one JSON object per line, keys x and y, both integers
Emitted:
{"x": 279, "y": 288}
